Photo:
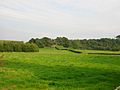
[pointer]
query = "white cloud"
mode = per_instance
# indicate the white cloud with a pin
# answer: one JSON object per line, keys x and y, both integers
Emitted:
{"x": 68, "y": 16}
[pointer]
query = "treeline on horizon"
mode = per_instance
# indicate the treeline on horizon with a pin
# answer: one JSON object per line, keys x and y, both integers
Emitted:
{"x": 17, "y": 46}
{"x": 85, "y": 44}
{"x": 33, "y": 45}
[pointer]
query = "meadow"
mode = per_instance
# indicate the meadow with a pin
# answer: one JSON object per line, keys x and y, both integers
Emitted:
{"x": 51, "y": 69}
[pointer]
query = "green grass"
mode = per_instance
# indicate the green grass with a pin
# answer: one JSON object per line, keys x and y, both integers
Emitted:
{"x": 52, "y": 69}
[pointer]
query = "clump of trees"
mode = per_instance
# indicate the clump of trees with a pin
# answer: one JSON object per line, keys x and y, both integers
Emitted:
{"x": 48, "y": 42}
{"x": 101, "y": 44}
{"x": 17, "y": 46}
{"x": 43, "y": 42}
{"x": 62, "y": 41}
{"x": 87, "y": 44}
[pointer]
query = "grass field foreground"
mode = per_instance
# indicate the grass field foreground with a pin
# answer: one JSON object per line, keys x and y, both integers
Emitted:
{"x": 52, "y": 69}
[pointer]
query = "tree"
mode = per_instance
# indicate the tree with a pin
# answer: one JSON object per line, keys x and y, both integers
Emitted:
{"x": 32, "y": 40}
{"x": 62, "y": 41}
{"x": 47, "y": 42}
{"x": 43, "y": 42}
{"x": 118, "y": 37}
{"x": 75, "y": 44}
{"x": 88, "y": 44}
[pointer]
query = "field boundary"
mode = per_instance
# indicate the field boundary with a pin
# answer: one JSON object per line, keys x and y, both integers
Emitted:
{"x": 105, "y": 53}
{"x": 79, "y": 52}
{"x": 67, "y": 49}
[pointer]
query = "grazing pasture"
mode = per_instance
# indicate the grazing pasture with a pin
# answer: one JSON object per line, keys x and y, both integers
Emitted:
{"x": 51, "y": 69}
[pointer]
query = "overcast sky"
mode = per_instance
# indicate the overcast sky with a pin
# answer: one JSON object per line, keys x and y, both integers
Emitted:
{"x": 24, "y": 19}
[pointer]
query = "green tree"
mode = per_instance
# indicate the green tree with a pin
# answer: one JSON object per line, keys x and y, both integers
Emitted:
{"x": 62, "y": 41}
{"x": 118, "y": 37}
{"x": 75, "y": 44}
{"x": 47, "y": 42}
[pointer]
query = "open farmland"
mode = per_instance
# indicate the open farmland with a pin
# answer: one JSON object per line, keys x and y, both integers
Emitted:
{"x": 52, "y": 69}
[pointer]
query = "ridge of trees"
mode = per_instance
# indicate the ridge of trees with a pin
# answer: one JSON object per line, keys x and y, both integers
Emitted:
{"x": 85, "y": 44}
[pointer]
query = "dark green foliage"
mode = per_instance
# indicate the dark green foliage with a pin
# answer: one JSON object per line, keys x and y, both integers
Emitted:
{"x": 101, "y": 44}
{"x": 63, "y": 41}
{"x": 47, "y": 42}
{"x": 17, "y": 46}
{"x": 90, "y": 44}
{"x": 41, "y": 43}
{"x": 30, "y": 47}
{"x": 75, "y": 44}
{"x": 118, "y": 37}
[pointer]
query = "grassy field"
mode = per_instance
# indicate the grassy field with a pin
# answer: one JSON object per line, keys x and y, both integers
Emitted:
{"x": 52, "y": 69}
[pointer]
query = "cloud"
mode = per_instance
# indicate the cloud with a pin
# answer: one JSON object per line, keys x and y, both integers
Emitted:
{"x": 61, "y": 17}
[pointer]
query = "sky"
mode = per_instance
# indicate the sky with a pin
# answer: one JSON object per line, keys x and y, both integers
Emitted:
{"x": 75, "y": 19}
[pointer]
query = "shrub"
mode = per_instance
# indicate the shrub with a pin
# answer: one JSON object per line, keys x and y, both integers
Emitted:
{"x": 17, "y": 46}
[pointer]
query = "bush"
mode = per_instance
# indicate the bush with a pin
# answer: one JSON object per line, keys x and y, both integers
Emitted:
{"x": 30, "y": 47}
{"x": 17, "y": 46}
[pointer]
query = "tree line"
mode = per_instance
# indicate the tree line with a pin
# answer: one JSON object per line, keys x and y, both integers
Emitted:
{"x": 33, "y": 45}
{"x": 85, "y": 44}
{"x": 17, "y": 46}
